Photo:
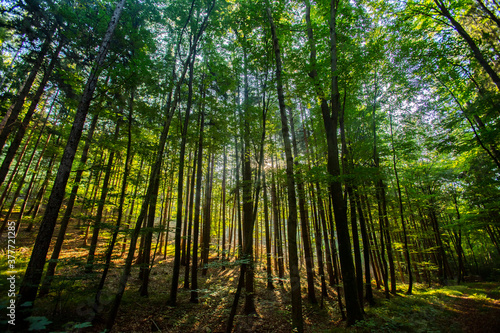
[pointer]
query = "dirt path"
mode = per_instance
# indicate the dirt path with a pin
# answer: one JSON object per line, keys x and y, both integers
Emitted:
{"x": 476, "y": 313}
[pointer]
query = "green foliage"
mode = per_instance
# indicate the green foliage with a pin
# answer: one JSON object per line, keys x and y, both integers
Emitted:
{"x": 38, "y": 323}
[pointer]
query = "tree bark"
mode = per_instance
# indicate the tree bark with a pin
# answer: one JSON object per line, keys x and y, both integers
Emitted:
{"x": 196, "y": 223}
{"x": 177, "y": 255}
{"x": 267, "y": 235}
{"x": 100, "y": 206}
{"x": 223, "y": 249}
{"x": 304, "y": 220}
{"x": 16, "y": 142}
{"x": 123, "y": 191}
{"x": 190, "y": 223}
{"x": 353, "y": 308}
{"x": 401, "y": 215}
{"x": 180, "y": 185}
{"x": 10, "y": 118}
{"x": 207, "y": 216}
{"x": 278, "y": 240}
{"x": 366, "y": 249}
{"x": 297, "y": 321}
{"x": 33, "y": 275}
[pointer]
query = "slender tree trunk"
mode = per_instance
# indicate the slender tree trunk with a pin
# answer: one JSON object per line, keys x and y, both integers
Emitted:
{"x": 196, "y": 223}
{"x": 366, "y": 249}
{"x": 278, "y": 240}
{"x": 33, "y": 274}
{"x": 304, "y": 221}
{"x": 491, "y": 15}
{"x": 353, "y": 308}
{"x": 148, "y": 239}
{"x": 176, "y": 269}
{"x": 128, "y": 164}
{"x": 8, "y": 122}
{"x": 223, "y": 249}
{"x": 347, "y": 164}
{"x": 23, "y": 176}
{"x": 382, "y": 210}
{"x": 444, "y": 11}
{"x": 186, "y": 210}
{"x": 30, "y": 186}
{"x": 100, "y": 207}
{"x": 190, "y": 223}
{"x": 248, "y": 219}
{"x": 297, "y": 321}
{"x": 93, "y": 195}
{"x": 336, "y": 269}
{"x": 322, "y": 216}
{"x": 267, "y": 235}
{"x": 401, "y": 215}
{"x": 35, "y": 208}
{"x": 207, "y": 216}
{"x": 460, "y": 251}
{"x": 16, "y": 142}
{"x": 355, "y": 241}
{"x": 13, "y": 174}
{"x": 319, "y": 251}
{"x": 180, "y": 184}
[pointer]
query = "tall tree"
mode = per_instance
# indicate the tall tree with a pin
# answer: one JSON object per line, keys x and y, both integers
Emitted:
{"x": 297, "y": 321}
{"x": 33, "y": 275}
{"x": 330, "y": 122}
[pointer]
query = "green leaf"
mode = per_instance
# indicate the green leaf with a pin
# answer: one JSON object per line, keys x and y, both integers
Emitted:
{"x": 83, "y": 325}
{"x": 38, "y": 323}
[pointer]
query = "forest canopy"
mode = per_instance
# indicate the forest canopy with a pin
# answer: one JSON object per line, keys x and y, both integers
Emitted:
{"x": 330, "y": 148}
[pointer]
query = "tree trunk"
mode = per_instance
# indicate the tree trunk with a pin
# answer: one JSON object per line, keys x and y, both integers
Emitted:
{"x": 278, "y": 240}
{"x": 322, "y": 217}
{"x": 297, "y": 321}
{"x": 319, "y": 251}
{"x": 401, "y": 215}
{"x": 128, "y": 165}
{"x": 190, "y": 223}
{"x": 460, "y": 251}
{"x": 177, "y": 255}
{"x": 13, "y": 174}
{"x": 491, "y": 15}
{"x": 385, "y": 240}
{"x": 336, "y": 269}
{"x": 186, "y": 214}
{"x": 33, "y": 275}
{"x": 472, "y": 44}
{"x": 10, "y": 118}
{"x": 267, "y": 236}
{"x": 207, "y": 216}
{"x": 355, "y": 241}
{"x": 180, "y": 185}
{"x": 366, "y": 250}
{"x": 223, "y": 249}
{"x": 23, "y": 176}
{"x": 353, "y": 308}
{"x": 16, "y": 142}
{"x": 248, "y": 220}
{"x": 347, "y": 165}
{"x": 100, "y": 207}
{"x": 196, "y": 223}
{"x": 304, "y": 220}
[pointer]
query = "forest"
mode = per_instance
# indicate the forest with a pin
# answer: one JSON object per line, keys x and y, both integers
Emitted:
{"x": 250, "y": 166}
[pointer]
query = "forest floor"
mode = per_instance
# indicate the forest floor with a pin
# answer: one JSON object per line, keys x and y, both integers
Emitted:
{"x": 468, "y": 307}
